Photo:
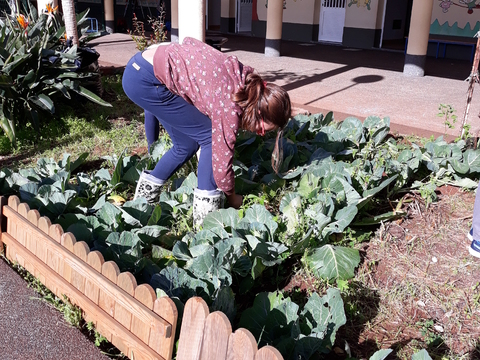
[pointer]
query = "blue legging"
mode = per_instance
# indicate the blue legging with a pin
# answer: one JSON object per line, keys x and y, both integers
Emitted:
{"x": 188, "y": 128}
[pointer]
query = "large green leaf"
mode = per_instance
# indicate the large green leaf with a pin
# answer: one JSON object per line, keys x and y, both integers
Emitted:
{"x": 54, "y": 200}
{"x": 225, "y": 302}
{"x": 332, "y": 262}
{"x": 79, "y": 161}
{"x": 472, "y": 158}
{"x": 160, "y": 147}
{"x": 381, "y": 354}
{"x": 188, "y": 184}
{"x": 136, "y": 212}
{"x": 28, "y": 192}
{"x": 292, "y": 214}
{"x": 110, "y": 215}
{"x": 287, "y": 199}
{"x": 378, "y": 128}
{"x": 302, "y": 245}
{"x": 459, "y": 167}
{"x": 81, "y": 232}
{"x": 342, "y": 190}
{"x": 8, "y": 126}
{"x": 270, "y": 317}
{"x": 320, "y": 318}
{"x": 258, "y": 213}
{"x": 421, "y": 355}
{"x": 342, "y": 219}
{"x": 222, "y": 218}
{"x": 309, "y": 185}
{"x": 216, "y": 262}
{"x": 353, "y": 129}
{"x": 377, "y": 189}
{"x": 152, "y": 234}
{"x": 324, "y": 315}
{"x": 177, "y": 282}
{"x": 377, "y": 219}
{"x": 91, "y": 96}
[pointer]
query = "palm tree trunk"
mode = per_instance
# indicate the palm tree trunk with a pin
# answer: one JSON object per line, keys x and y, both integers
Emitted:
{"x": 70, "y": 19}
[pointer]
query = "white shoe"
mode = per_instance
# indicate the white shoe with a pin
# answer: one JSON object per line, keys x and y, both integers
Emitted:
{"x": 204, "y": 202}
{"x": 149, "y": 187}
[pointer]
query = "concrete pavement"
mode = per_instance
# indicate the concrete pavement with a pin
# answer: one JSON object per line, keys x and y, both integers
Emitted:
{"x": 347, "y": 81}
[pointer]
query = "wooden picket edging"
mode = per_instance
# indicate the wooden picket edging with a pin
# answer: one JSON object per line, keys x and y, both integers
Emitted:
{"x": 205, "y": 336}
{"x": 131, "y": 317}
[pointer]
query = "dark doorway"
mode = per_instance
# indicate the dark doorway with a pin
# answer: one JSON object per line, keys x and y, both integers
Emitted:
{"x": 396, "y": 24}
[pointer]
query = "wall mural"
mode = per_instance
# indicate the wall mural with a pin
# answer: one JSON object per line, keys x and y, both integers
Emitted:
{"x": 364, "y": 3}
{"x": 467, "y": 4}
{"x": 454, "y": 18}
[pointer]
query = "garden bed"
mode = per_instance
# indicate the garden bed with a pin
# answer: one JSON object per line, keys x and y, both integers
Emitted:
{"x": 417, "y": 286}
{"x": 347, "y": 194}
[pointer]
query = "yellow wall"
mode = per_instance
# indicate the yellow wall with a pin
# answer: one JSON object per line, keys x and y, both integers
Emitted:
{"x": 451, "y": 17}
{"x": 297, "y": 11}
{"x": 359, "y": 16}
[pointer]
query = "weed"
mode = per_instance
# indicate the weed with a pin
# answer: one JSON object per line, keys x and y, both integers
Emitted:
{"x": 447, "y": 112}
{"x": 476, "y": 295}
{"x": 99, "y": 338}
{"x": 428, "y": 332}
{"x": 158, "y": 27}
{"x": 427, "y": 192}
{"x": 465, "y": 132}
{"x": 71, "y": 313}
{"x": 353, "y": 237}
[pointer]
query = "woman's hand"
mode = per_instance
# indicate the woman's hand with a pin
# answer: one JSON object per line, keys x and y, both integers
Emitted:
{"x": 235, "y": 200}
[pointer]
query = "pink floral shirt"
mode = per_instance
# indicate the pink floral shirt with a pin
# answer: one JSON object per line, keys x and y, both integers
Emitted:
{"x": 207, "y": 78}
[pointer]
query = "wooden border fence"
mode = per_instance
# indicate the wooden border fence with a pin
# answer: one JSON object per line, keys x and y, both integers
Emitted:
{"x": 130, "y": 316}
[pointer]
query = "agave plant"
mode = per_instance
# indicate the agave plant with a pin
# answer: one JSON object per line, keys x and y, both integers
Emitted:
{"x": 36, "y": 65}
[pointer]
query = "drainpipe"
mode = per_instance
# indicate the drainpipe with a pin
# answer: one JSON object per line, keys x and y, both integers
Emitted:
{"x": 191, "y": 19}
{"x": 418, "y": 38}
{"x": 174, "y": 22}
{"x": 274, "y": 28}
{"x": 109, "y": 16}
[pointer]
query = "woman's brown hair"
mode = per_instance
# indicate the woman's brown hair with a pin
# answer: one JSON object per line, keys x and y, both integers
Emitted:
{"x": 261, "y": 100}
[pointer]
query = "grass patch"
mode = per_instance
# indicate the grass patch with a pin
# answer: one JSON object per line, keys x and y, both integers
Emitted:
{"x": 80, "y": 127}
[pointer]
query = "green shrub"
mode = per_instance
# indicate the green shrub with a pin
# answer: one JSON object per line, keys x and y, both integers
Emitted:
{"x": 36, "y": 66}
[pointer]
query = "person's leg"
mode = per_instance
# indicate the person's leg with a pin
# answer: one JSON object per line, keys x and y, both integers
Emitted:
{"x": 187, "y": 126}
{"x": 476, "y": 215}
{"x": 152, "y": 128}
{"x": 182, "y": 150}
{"x": 206, "y": 180}
{"x": 474, "y": 233}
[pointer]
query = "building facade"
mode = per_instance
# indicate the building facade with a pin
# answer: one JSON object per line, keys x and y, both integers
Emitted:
{"x": 421, "y": 28}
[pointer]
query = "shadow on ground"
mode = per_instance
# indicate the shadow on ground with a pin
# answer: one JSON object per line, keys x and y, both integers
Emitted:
{"x": 352, "y": 58}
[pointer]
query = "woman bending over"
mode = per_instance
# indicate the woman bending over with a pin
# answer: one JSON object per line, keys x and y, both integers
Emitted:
{"x": 202, "y": 98}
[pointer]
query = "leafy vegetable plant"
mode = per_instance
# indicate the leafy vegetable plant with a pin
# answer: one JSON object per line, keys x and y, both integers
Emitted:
{"x": 334, "y": 178}
{"x": 36, "y": 66}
